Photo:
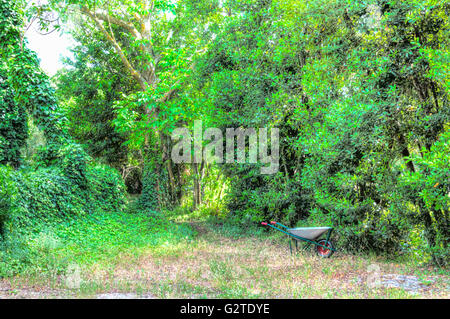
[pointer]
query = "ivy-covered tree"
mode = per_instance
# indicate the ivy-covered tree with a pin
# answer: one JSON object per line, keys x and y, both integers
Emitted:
{"x": 63, "y": 181}
{"x": 31, "y": 86}
{"x": 87, "y": 90}
{"x": 156, "y": 42}
{"x": 13, "y": 124}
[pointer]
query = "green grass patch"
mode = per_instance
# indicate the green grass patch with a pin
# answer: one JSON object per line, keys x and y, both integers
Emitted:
{"x": 105, "y": 236}
{"x": 97, "y": 238}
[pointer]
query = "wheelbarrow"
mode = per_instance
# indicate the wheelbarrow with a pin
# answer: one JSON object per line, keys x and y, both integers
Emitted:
{"x": 324, "y": 248}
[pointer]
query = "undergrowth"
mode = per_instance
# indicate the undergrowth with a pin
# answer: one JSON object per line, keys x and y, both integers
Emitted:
{"x": 97, "y": 239}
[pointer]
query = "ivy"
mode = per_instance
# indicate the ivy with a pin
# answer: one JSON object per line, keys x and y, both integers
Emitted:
{"x": 63, "y": 181}
{"x": 31, "y": 86}
{"x": 13, "y": 124}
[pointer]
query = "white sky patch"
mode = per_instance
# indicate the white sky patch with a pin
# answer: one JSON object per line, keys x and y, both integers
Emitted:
{"x": 50, "y": 48}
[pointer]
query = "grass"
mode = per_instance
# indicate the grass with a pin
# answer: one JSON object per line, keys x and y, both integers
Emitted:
{"x": 152, "y": 256}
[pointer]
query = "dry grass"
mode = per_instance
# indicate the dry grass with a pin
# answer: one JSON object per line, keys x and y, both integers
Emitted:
{"x": 218, "y": 266}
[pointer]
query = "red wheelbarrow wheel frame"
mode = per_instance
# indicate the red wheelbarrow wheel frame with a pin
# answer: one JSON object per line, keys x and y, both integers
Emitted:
{"x": 323, "y": 252}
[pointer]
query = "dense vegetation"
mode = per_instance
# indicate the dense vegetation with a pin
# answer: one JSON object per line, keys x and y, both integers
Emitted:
{"x": 358, "y": 89}
{"x": 59, "y": 180}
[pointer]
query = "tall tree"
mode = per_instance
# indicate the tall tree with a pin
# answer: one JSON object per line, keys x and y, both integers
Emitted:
{"x": 157, "y": 42}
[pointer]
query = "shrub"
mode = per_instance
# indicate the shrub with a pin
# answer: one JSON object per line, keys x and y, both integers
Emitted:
{"x": 73, "y": 160}
{"x": 13, "y": 124}
{"x": 7, "y": 195}
{"x": 106, "y": 188}
{"x": 255, "y": 197}
{"x": 31, "y": 199}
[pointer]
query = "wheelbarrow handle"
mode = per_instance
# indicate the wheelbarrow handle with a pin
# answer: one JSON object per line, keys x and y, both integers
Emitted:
{"x": 278, "y": 224}
{"x": 272, "y": 223}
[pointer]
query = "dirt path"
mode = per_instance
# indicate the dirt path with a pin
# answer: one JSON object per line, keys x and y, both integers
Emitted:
{"x": 218, "y": 266}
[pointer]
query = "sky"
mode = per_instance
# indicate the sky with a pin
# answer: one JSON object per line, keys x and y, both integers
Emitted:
{"x": 50, "y": 48}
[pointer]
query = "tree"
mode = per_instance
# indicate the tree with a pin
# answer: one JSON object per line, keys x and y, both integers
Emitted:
{"x": 13, "y": 126}
{"x": 25, "y": 84}
{"x": 156, "y": 42}
{"x": 87, "y": 89}
{"x": 355, "y": 90}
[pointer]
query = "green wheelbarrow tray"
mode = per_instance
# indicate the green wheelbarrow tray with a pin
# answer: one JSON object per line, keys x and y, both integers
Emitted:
{"x": 324, "y": 247}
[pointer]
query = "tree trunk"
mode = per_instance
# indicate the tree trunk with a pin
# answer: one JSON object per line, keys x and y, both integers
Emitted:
{"x": 197, "y": 186}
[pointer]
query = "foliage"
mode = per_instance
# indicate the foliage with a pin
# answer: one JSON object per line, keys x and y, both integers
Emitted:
{"x": 48, "y": 196}
{"x": 107, "y": 189}
{"x": 149, "y": 196}
{"x": 13, "y": 125}
{"x": 358, "y": 89}
{"x": 87, "y": 89}
{"x": 254, "y": 197}
{"x": 62, "y": 183}
{"x": 26, "y": 89}
{"x": 8, "y": 194}
{"x": 92, "y": 239}
{"x": 356, "y": 94}
{"x": 48, "y": 193}
{"x": 428, "y": 188}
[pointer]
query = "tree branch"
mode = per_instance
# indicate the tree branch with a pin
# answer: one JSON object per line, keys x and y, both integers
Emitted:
{"x": 136, "y": 75}
{"x": 127, "y": 25}
{"x": 144, "y": 34}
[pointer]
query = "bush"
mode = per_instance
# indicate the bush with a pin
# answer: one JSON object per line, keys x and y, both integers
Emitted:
{"x": 7, "y": 194}
{"x": 106, "y": 188}
{"x": 68, "y": 185}
{"x": 73, "y": 160}
{"x": 13, "y": 124}
{"x": 255, "y": 197}
{"x": 48, "y": 193}
{"x": 427, "y": 190}
{"x": 31, "y": 199}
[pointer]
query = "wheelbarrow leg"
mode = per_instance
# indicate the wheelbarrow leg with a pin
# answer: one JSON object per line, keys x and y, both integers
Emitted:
{"x": 329, "y": 234}
{"x": 306, "y": 246}
{"x": 290, "y": 245}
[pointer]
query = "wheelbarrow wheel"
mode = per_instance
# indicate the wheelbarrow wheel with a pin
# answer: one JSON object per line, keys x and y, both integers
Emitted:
{"x": 322, "y": 251}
